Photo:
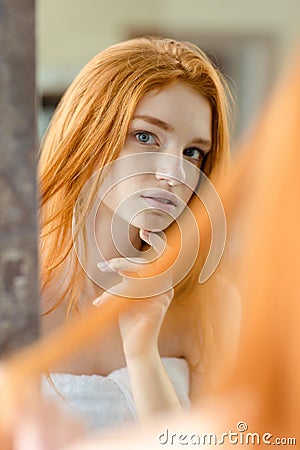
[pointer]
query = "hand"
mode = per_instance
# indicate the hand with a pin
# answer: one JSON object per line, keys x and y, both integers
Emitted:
{"x": 142, "y": 315}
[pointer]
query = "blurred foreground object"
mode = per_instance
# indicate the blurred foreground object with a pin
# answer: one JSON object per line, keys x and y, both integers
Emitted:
{"x": 268, "y": 370}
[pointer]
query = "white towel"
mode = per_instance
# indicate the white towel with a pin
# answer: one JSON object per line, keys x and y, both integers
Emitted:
{"x": 103, "y": 402}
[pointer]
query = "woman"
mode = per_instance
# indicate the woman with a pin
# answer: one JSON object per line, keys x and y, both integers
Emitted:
{"x": 120, "y": 162}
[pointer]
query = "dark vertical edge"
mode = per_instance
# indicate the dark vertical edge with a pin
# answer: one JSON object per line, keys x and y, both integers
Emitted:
{"x": 19, "y": 290}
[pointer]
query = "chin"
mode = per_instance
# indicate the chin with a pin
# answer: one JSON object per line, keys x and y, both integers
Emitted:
{"x": 153, "y": 221}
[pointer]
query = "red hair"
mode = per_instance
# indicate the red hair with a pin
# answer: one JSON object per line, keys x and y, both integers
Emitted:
{"x": 89, "y": 128}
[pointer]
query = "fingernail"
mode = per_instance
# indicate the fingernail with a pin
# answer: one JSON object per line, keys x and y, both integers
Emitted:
{"x": 145, "y": 235}
{"x": 97, "y": 301}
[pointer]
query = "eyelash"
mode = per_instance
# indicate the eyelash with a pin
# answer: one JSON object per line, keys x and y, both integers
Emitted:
{"x": 200, "y": 152}
{"x": 138, "y": 133}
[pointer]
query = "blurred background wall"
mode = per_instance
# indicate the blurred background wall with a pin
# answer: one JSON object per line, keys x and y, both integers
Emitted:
{"x": 249, "y": 40}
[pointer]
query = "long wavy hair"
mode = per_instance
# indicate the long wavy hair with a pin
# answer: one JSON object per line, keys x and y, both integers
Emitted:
{"x": 88, "y": 131}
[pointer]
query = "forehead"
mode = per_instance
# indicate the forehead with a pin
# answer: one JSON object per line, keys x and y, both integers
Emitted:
{"x": 180, "y": 106}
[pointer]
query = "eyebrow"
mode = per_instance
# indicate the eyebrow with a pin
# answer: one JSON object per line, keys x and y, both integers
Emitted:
{"x": 206, "y": 143}
{"x": 155, "y": 121}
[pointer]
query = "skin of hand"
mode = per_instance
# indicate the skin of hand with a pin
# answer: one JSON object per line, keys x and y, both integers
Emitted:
{"x": 140, "y": 321}
{"x": 140, "y": 318}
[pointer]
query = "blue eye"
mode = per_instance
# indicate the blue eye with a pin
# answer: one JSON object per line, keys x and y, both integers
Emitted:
{"x": 145, "y": 138}
{"x": 194, "y": 153}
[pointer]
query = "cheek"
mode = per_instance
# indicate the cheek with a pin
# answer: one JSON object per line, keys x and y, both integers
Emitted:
{"x": 186, "y": 194}
{"x": 121, "y": 190}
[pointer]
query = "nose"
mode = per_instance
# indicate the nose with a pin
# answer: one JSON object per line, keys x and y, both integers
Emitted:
{"x": 170, "y": 170}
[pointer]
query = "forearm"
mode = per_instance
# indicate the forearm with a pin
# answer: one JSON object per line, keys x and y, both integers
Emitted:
{"x": 151, "y": 387}
{"x": 140, "y": 322}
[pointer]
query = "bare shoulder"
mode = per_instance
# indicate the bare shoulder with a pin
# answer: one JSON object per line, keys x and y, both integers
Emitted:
{"x": 219, "y": 331}
{"x": 225, "y": 311}
{"x": 226, "y": 298}
{"x": 217, "y": 300}
{"x": 228, "y": 314}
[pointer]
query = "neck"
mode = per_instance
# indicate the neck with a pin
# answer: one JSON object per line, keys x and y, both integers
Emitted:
{"x": 115, "y": 238}
{"x": 107, "y": 240}
{"x": 108, "y": 237}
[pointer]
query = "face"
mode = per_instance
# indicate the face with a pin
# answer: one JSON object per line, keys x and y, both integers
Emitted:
{"x": 169, "y": 136}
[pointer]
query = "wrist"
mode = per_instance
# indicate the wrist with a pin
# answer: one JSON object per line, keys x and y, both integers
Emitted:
{"x": 148, "y": 355}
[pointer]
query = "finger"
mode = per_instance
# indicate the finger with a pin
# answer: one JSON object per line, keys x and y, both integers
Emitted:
{"x": 153, "y": 239}
{"x": 104, "y": 298}
{"x": 119, "y": 295}
{"x": 122, "y": 264}
{"x": 112, "y": 297}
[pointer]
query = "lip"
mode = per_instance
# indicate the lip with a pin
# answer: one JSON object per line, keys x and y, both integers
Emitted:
{"x": 161, "y": 200}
